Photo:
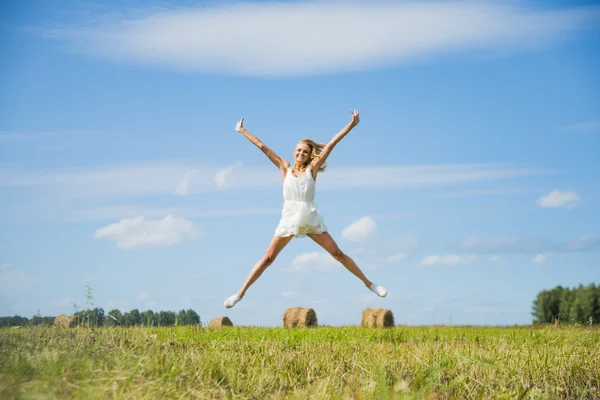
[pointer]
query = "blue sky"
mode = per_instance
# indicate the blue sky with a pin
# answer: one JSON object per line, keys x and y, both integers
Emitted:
{"x": 470, "y": 184}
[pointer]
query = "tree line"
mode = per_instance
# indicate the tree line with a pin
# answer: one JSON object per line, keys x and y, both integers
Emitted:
{"x": 97, "y": 317}
{"x": 565, "y": 305}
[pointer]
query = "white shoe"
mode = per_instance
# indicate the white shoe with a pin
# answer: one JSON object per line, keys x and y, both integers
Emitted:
{"x": 378, "y": 290}
{"x": 232, "y": 301}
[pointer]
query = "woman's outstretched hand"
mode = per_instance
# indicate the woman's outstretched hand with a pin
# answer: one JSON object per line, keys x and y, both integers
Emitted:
{"x": 355, "y": 118}
{"x": 240, "y": 125}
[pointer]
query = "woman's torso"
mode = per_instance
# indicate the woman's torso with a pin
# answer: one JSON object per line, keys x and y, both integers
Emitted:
{"x": 300, "y": 188}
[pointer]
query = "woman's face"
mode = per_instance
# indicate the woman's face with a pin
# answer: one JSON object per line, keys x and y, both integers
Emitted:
{"x": 301, "y": 153}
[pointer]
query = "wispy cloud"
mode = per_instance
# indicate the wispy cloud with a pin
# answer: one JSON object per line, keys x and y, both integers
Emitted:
{"x": 300, "y": 38}
{"x": 529, "y": 245}
{"x": 584, "y": 127}
{"x": 405, "y": 243}
{"x": 10, "y": 137}
{"x": 141, "y": 232}
{"x": 5, "y": 265}
{"x": 396, "y": 258}
{"x": 360, "y": 229}
{"x": 449, "y": 259}
{"x": 183, "y": 187}
{"x": 483, "y": 193}
{"x": 158, "y": 178}
{"x": 144, "y": 296}
{"x": 499, "y": 263}
{"x": 539, "y": 258}
{"x": 290, "y": 295}
{"x": 583, "y": 243}
{"x": 222, "y": 174}
{"x": 118, "y": 212}
{"x": 559, "y": 199}
{"x": 313, "y": 261}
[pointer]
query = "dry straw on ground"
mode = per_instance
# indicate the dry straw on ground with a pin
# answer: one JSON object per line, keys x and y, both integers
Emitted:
{"x": 67, "y": 321}
{"x": 299, "y": 316}
{"x": 218, "y": 322}
{"x": 377, "y": 318}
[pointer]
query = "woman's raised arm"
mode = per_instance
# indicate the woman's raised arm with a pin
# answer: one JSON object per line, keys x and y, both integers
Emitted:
{"x": 318, "y": 161}
{"x": 279, "y": 162}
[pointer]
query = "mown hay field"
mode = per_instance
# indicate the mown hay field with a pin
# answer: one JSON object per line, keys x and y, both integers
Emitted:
{"x": 301, "y": 363}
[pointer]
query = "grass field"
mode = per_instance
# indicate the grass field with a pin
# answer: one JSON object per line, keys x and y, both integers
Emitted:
{"x": 276, "y": 363}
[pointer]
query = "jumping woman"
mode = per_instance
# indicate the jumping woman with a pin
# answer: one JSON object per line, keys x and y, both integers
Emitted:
{"x": 299, "y": 217}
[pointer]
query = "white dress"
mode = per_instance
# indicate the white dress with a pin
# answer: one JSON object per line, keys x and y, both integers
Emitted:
{"x": 299, "y": 215}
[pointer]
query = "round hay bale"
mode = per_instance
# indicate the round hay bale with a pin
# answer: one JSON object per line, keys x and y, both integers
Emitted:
{"x": 299, "y": 316}
{"x": 377, "y": 318}
{"x": 67, "y": 321}
{"x": 219, "y": 322}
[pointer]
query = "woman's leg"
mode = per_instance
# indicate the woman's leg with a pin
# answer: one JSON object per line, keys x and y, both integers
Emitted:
{"x": 277, "y": 244}
{"x": 326, "y": 241}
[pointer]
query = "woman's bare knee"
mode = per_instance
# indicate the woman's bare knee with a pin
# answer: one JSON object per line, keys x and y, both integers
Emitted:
{"x": 268, "y": 259}
{"x": 338, "y": 254}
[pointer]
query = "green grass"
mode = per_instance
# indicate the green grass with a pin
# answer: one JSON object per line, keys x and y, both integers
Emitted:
{"x": 276, "y": 363}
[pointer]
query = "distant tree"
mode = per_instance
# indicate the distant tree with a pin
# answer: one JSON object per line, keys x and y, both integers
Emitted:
{"x": 541, "y": 308}
{"x": 36, "y": 319}
{"x": 587, "y": 298}
{"x": 15, "y": 320}
{"x": 182, "y": 318}
{"x": 128, "y": 319}
{"x": 97, "y": 317}
{"x": 597, "y": 313}
{"x": 135, "y": 317}
{"x": 114, "y": 318}
{"x": 192, "y": 317}
{"x": 564, "y": 309}
{"x": 166, "y": 318}
{"x": 577, "y": 313}
{"x": 148, "y": 318}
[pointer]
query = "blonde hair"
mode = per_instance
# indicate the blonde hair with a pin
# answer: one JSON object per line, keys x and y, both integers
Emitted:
{"x": 315, "y": 150}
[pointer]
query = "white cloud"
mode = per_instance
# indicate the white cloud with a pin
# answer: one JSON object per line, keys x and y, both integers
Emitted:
{"x": 529, "y": 245}
{"x": 183, "y": 187}
{"x": 396, "y": 258}
{"x": 157, "y": 178}
{"x": 418, "y": 176}
{"x": 584, "y": 243}
{"x": 300, "y": 38}
{"x": 290, "y": 295}
{"x": 144, "y": 296}
{"x": 9, "y": 137}
{"x": 449, "y": 259}
{"x": 222, "y": 174}
{"x": 406, "y": 243}
{"x": 508, "y": 244}
{"x": 584, "y": 127}
{"x": 498, "y": 263}
{"x": 483, "y": 193}
{"x": 359, "y": 230}
{"x": 5, "y": 265}
{"x": 559, "y": 199}
{"x": 140, "y": 232}
{"x": 117, "y": 212}
{"x": 540, "y": 258}
{"x": 314, "y": 261}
